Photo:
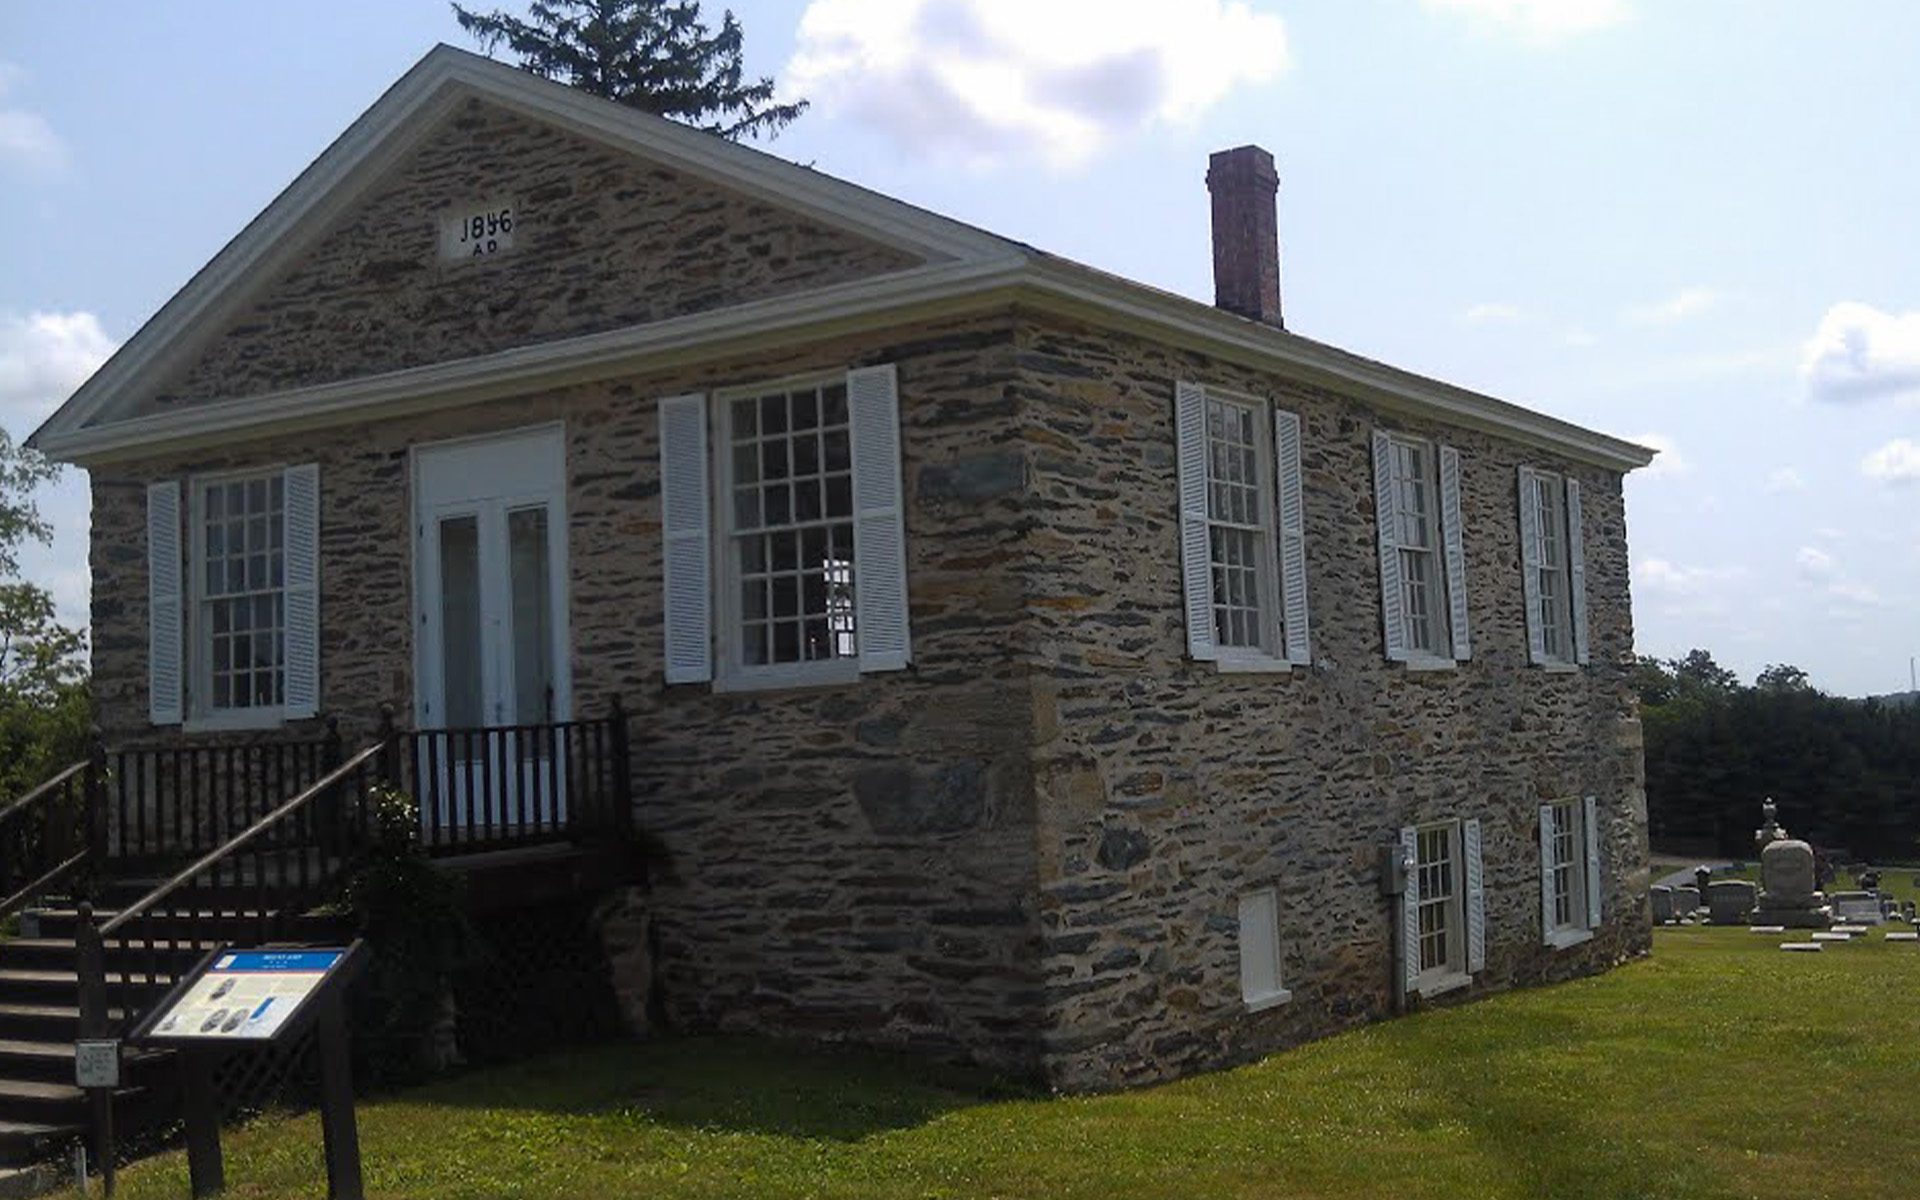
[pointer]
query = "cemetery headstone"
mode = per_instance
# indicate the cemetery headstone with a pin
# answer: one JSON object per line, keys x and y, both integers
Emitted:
{"x": 1660, "y": 896}
{"x": 1730, "y": 901}
{"x": 1789, "y": 894}
{"x": 1856, "y": 908}
{"x": 1702, "y": 879}
{"x": 1685, "y": 900}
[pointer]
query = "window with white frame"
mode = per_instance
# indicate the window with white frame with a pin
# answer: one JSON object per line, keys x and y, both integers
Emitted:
{"x": 1554, "y": 577}
{"x": 1423, "y": 588}
{"x": 1437, "y": 866}
{"x": 1260, "y": 949}
{"x": 1565, "y": 867}
{"x": 789, "y": 526}
{"x": 240, "y": 576}
{"x": 1240, "y": 526}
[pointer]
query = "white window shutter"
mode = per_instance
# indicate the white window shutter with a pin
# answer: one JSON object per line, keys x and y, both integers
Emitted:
{"x": 1259, "y": 945}
{"x": 688, "y": 616}
{"x": 879, "y": 521}
{"x": 1577, "y": 571}
{"x": 1546, "y": 872}
{"x": 1456, "y": 554}
{"x": 1196, "y": 543}
{"x": 1476, "y": 898}
{"x": 1593, "y": 862}
{"x": 1530, "y": 565}
{"x": 301, "y": 539}
{"x": 1410, "y": 910}
{"x": 1293, "y": 537}
{"x": 164, "y": 629}
{"x": 1386, "y": 519}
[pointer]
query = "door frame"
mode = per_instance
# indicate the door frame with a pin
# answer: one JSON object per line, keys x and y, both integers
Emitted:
{"x": 537, "y": 442}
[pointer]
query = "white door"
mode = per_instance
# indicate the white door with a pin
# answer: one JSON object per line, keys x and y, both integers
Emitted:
{"x": 490, "y": 563}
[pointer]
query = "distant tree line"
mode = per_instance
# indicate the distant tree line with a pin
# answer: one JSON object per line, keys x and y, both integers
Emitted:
{"x": 1846, "y": 773}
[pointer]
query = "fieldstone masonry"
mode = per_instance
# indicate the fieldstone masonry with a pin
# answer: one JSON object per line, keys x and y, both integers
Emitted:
{"x": 1027, "y": 850}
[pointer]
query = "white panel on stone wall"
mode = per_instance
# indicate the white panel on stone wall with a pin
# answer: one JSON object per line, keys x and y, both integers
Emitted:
{"x": 1293, "y": 537}
{"x": 684, "y": 524}
{"x": 164, "y": 567}
{"x": 1577, "y": 571}
{"x": 1592, "y": 807}
{"x": 301, "y": 518}
{"x": 1410, "y": 910}
{"x": 879, "y": 521}
{"x": 1546, "y": 873}
{"x": 1386, "y": 521}
{"x": 1530, "y": 565}
{"x": 478, "y": 230}
{"x": 1260, "y": 947}
{"x": 1456, "y": 555}
{"x": 1476, "y": 897}
{"x": 1196, "y": 551}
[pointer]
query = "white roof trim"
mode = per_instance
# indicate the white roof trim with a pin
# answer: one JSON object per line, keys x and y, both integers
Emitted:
{"x": 396, "y": 123}
{"x": 946, "y": 289}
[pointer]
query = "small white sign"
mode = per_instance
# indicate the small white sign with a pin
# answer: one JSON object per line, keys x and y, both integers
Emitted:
{"x": 96, "y": 1063}
{"x": 478, "y": 230}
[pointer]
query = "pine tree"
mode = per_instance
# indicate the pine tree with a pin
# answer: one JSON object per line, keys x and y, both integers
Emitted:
{"x": 654, "y": 55}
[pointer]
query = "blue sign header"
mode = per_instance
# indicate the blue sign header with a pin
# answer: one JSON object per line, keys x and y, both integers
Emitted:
{"x": 278, "y": 960}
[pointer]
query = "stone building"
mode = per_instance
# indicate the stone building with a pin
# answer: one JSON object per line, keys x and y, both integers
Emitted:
{"x": 1022, "y": 664}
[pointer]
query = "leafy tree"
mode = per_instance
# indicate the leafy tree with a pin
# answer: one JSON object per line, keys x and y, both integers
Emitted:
{"x": 1782, "y": 677}
{"x": 44, "y": 708}
{"x": 1698, "y": 667}
{"x": 654, "y": 55}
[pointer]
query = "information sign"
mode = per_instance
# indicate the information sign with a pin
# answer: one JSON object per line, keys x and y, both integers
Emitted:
{"x": 243, "y": 996}
{"x": 96, "y": 1063}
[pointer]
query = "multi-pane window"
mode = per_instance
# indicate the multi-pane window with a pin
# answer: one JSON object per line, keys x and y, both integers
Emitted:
{"x": 1438, "y": 879}
{"x": 790, "y": 469}
{"x": 1240, "y": 526}
{"x": 1553, "y": 586}
{"x": 242, "y": 577}
{"x": 1422, "y": 584}
{"x": 1566, "y": 866}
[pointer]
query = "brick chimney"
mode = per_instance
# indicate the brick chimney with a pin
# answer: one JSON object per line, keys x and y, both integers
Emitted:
{"x": 1246, "y": 233}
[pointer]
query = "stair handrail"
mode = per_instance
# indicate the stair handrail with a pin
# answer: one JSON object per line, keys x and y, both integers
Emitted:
{"x": 240, "y": 840}
{"x": 92, "y": 769}
{"x": 33, "y": 796}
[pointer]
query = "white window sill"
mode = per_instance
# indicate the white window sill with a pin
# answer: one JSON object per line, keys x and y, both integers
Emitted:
{"x": 235, "y": 721}
{"x": 835, "y": 674}
{"x": 1251, "y": 664}
{"x": 1561, "y": 939}
{"x": 1559, "y": 668}
{"x": 1428, "y": 662}
{"x": 1441, "y": 985}
{"x": 1270, "y": 1000}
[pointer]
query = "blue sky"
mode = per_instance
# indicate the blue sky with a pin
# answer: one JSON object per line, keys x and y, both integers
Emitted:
{"x": 1692, "y": 224}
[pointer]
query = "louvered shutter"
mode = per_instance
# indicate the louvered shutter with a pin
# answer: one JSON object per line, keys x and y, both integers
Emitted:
{"x": 1546, "y": 872}
{"x": 1476, "y": 898}
{"x": 1410, "y": 910}
{"x": 301, "y": 518}
{"x": 1577, "y": 571}
{"x": 1386, "y": 518}
{"x": 1293, "y": 537}
{"x": 1593, "y": 862}
{"x": 1530, "y": 565}
{"x": 1196, "y": 548}
{"x": 879, "y": 521}
{"x": 1456, "y": 555}
{"x": 164, "y": 630}
{"x": 684, "y": 524}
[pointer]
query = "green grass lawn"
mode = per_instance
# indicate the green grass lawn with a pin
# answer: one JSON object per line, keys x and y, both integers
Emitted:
{"x": 1721, "y": 1067}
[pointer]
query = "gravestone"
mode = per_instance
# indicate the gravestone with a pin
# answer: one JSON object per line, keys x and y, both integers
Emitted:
{"x": 1789, "y": 893}
{"x": 1686, "y": 898}
{"x": 1661, "y": 897}
{"x": 1907, "y": 911}
{"x": 1856, "y": 908}
{"x": 1730, "y": 901}
{"x": 1702, "y": 879}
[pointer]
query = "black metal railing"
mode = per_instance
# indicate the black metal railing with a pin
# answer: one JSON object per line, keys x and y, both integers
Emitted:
{"x": 169, "y": 803}
{"x": 48, "y": 835}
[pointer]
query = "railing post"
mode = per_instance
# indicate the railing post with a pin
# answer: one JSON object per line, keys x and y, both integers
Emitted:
{"x": 94, "y": 807}
{"x": 622, "y": 773}
{"x": 90, "y": 966}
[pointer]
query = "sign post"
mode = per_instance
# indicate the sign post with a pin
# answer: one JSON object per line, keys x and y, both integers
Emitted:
{"x": 236, "y": 999}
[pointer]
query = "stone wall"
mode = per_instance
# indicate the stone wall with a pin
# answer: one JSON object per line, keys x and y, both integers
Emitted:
{"x": 841, "y": 862}
{"x": 1168, "y": 789}
{"x": 602, "y": 240}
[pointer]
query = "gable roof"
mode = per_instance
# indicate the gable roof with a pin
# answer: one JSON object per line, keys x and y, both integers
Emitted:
{"x": 965, "y": 268}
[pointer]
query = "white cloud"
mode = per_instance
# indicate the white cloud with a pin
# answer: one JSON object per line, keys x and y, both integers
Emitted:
{"x": 1683, "y": 591}
{"x": 1786, "y": 479}
{"x": 1579, "y": 339}
{"x": 26, "y": 140}
{"x": 985, "y": 82}
{"x": 43, "y": 357}
{"x": 1683, "y": 305}
{"x": 1897, "y": 462}
{"x": 1669, "y": 464}
{"x": 1815, "y": 563}
{"x": 1852, "y": 592}
{"x": 1862, "y": 353}
{"x": 1493, "y": 312}
{"x": 1542, "y": 21}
